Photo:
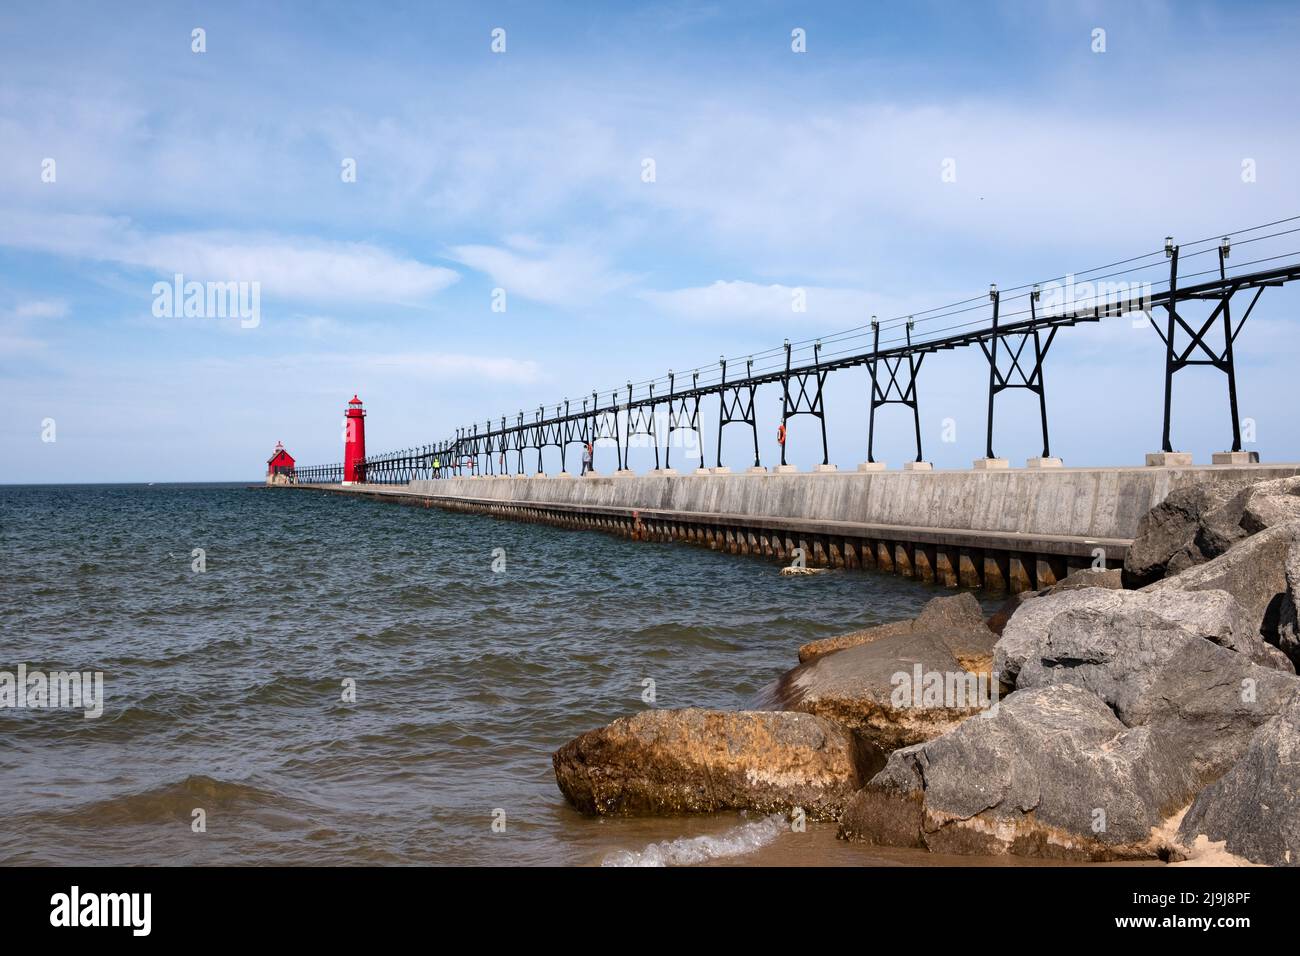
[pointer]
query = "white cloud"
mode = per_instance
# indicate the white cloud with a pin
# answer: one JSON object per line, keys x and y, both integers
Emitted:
{"x": 827, "y": 309}
{"x": 738, "y": 300}
{"x": 289, "y": 267}
{"x": 16, "y": 325}
{"x": 564, "y": 275}
{"x": 41, "y": 309}
{"x": 840, "y": 182}
{"x": 459, "y": 367}
{"x": 326, "y": 368}
{"x": 749, "y": 174}
{"x": 16, "y": 344}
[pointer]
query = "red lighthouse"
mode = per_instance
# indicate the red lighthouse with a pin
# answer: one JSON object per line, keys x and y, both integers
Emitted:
{"x": 354, "y": 443}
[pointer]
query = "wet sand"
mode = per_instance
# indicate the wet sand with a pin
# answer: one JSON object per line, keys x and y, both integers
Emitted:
{"x": 738, "y": 840}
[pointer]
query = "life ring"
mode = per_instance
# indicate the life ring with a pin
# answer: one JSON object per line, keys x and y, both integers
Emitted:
{"x": 780, "y": 434}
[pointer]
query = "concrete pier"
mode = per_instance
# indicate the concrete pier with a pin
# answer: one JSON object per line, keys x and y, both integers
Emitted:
{"x": 998, "y": 529}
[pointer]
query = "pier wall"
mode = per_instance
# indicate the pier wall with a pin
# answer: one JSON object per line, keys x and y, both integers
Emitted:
{"x": 1007, "y": 530}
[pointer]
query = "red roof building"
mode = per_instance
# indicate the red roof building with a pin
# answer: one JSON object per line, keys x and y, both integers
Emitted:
{"x": 281, "y": 463}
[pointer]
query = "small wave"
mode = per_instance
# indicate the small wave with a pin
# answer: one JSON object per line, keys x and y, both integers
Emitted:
{"x": 292, "y": 689}
{"x": 172, "y": 801}
{"x": 685, "y": 851}
{"x": 676, "y": 638}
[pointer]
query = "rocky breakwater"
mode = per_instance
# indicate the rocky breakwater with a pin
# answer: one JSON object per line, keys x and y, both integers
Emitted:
{"x": 1149, "y": 714}
{"x": 703, "y": 761}
{"x": 900, "y": 683}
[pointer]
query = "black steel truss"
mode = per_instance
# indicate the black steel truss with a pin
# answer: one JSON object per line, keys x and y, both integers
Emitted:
{"x": 894, "y": 392}
{"x": 546, "y": 433}
{"x": 736, "y": 404}
{"x": 893, "y": 374}
{"x": 550, "y": 433}
{"x": 605, "y": 426}
{"x": 1014, "y": 375}
{"x": 515, "y": 441}
{"x": 803, "y": 403}
{"x": 640, "y": 420}
{"x": 1219, "y": 357}
{"x": 492, "y": 445}
{"x": 576, "y": 430}
{"x": 685, "y": 409}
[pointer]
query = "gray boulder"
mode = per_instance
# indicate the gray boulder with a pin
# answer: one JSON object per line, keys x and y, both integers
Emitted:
{"x": 873, "y": 689}
{"x": 1111, "y": 578}
{"x": 1050, "y": 773}
{"x": 904, "y": 687}
{"x": 1288, "y": 629}
{"x": 704, "y": 761}
{"x": 1253, "y": 572}
{"x": 950, "y": 613}
{"x": 1271, "y": 503}
{"x": 1255, "y": 806}
{"x": 1193, "y": 524}
{"x": 1187, "y": 664}
{"x": 953, "y": 612}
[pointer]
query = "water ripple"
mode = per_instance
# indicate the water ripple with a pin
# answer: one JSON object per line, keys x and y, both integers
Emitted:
{"x": 351, "y": 682}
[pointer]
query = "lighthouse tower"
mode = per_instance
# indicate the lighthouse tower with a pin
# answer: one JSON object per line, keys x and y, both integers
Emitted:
{"x": 354, "y": 443}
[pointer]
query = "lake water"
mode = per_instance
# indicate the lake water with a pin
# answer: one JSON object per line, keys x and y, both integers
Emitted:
{"x": 224, "y": 689}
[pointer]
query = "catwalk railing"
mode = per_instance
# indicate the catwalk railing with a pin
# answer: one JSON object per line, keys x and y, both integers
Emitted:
{"x": 1015, "y": 328}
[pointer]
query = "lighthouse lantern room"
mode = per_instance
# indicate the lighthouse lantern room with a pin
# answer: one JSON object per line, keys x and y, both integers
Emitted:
{"x": 354, "y": 443}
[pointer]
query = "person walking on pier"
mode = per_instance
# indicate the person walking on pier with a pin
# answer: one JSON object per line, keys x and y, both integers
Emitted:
{"x": 588, "y": 456}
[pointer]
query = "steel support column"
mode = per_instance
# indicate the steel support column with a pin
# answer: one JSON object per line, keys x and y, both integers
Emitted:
{"x": 736, "y": 404}
{"x": 683, "y": 408}
{"x": 894, "y": 392}
{"x": 641, "y": 421}
{"x": 803, "y": 403}
{"x": 1015, "y": 375}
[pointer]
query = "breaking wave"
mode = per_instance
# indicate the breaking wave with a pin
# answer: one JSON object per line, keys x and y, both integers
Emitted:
{"x": 685, "y": 851}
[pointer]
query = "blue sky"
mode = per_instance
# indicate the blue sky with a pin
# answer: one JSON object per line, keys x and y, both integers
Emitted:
{"x": 522, "y": 171}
